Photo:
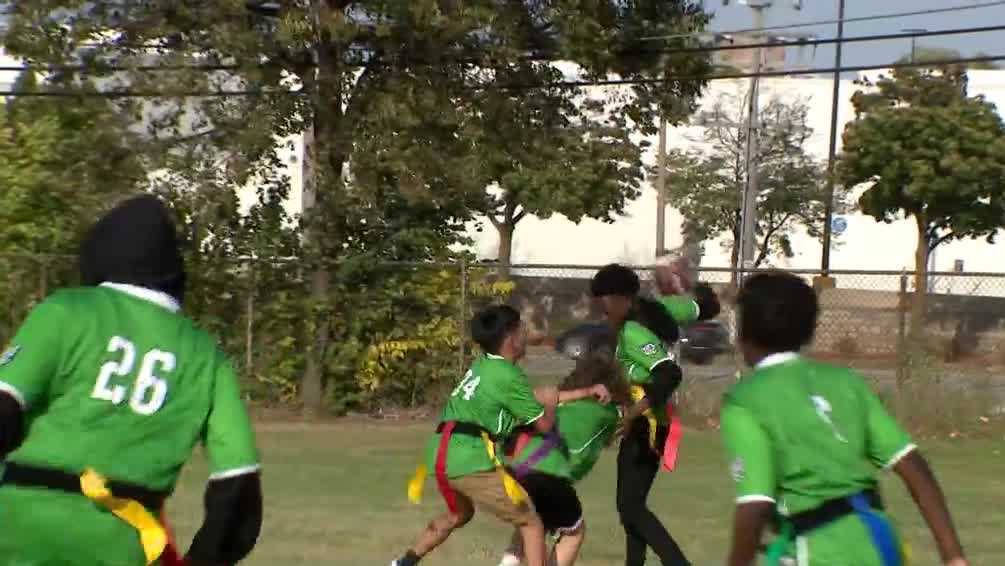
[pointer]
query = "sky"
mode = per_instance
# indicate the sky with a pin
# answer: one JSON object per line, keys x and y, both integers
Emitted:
{"x": 736, "y": 16}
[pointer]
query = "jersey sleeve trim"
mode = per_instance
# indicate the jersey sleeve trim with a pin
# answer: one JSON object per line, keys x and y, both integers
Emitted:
{"x": 696, "y": 309}
{"x": 754, "y": 499}
{"x": 13, "y": 392}
{"x": 234, "y": 472}
{"x": 588, "y": 442}
{"x": 900, "y": 455}
{"x": 539, "y": 415}
{"x": 669, "y": 358}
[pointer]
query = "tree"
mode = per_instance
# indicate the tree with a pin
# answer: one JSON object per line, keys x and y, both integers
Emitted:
{"x": 926, "y": 150}
{"x": 984, "y": 65}
{"x": 384, "y": 89}
{"x": 935, "y": 54}
{"x": 54, "y": 182}
{"x": 544, "y": 153}
{"x": 707, "y": 185}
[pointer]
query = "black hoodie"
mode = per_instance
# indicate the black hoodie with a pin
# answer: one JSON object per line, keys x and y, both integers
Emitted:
{"x": 135, "y": 243}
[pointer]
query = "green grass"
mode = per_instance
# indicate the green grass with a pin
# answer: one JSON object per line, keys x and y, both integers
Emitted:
{"x": 335, "y": 495}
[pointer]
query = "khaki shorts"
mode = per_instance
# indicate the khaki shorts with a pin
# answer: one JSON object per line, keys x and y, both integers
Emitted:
{"x": 485, "y": 490}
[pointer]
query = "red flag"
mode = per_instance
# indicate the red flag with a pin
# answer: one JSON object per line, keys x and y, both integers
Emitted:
{"x": 170, "y": 556}
{"x": 673, "y": 441}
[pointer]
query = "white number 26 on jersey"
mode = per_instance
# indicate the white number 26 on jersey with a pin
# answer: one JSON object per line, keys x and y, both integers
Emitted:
{"x": 148, "y": 390}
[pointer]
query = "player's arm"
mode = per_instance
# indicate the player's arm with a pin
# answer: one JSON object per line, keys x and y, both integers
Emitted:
{"x": 664, "y": 380}
{"x": 645, "y": 349}
{"x": 527, "y": 405}
{"x": 233, "y": 497}
{"x": 914, "y": 470}
{"x": 598, "y": 392}
{"x": 752, "y": 466}
{"x": 890, "y": 447}
{"x": 27, "y": 368}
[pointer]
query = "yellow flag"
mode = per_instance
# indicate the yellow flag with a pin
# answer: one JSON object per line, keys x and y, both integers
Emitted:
{"x": 152, "y": 534}
{"x": 416, "y": 484}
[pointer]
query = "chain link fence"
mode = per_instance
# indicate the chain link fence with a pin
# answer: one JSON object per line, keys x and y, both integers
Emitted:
{"x": 398, "y": 328}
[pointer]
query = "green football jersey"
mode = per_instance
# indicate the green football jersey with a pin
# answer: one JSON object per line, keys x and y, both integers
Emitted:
{"x": 494, "y": 394}
{"x": 585, "y": 427}
{"x": 800, "y": 432}
{"x": 113, "y": 378}
{"x": 640, "y": 350}
{"x": 682, "y": 308}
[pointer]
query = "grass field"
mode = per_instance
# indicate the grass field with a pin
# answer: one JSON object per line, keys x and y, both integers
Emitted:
{"x": 335, "y": 495}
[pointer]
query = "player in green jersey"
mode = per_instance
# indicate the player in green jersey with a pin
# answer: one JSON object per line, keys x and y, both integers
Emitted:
{"x": 805, "y": 439}
{"x": 493, "y": 398}
{"x": 644, "y": 332}
{"x": 548, "y": 472}
{"x": 109, "y": 381}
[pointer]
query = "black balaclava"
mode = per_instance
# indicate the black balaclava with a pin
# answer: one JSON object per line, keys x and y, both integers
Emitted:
{"x": 135, "y": 243}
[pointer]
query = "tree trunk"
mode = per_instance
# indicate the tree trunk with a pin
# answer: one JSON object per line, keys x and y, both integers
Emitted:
{"x": 312, "y": 387}
{"x": 505, "y": 226}
{"x": 324, "y": 147}
{"x": 505, "y": 230}
{"x": 919, "y": 306}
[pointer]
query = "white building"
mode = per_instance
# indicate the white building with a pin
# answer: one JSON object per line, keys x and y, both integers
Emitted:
{"x": 866, "y": 244}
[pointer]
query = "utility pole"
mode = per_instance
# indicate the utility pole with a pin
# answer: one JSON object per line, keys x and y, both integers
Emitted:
{"x": 748, "y": 214}
{"x": 914, "y": 40}
{"x": 825, "y": 255}
{"x": 661, "y": 188}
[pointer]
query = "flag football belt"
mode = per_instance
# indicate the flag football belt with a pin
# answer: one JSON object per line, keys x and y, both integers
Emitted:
{"x": 126, "y": 501}
{"x": 551, "y": 440}
{"x": 670, "y": 448}
{"x": 863, "y": 504}
{"x": 447, "y": 429}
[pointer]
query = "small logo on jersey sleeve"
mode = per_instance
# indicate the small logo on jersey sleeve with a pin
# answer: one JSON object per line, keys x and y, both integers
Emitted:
{"x": 738, "y": 470}
{"x": 650, "y": 349}
{"x": 7, "y": 356}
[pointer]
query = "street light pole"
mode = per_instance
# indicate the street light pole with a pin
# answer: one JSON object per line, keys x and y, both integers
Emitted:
{"x": 748, "y": 214}
{"x": 661, "y": 187}
{"x": 914, "y": 40}
{"x": 825, "y": 258}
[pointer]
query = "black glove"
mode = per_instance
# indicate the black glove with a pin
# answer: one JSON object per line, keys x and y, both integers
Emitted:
{"x": 232, "y": 523}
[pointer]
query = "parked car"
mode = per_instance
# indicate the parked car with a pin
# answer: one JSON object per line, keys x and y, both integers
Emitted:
{"x": 704, "y": 340}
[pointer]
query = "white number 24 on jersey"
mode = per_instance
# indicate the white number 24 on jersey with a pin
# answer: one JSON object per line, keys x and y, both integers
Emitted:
{"x": 468, "y": 385}
{"x": 148, "y": 390}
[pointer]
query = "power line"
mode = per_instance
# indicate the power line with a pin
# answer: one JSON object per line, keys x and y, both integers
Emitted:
{"x": 540, "y": 57}
{"x": 958, "y": 8}
{"x": 770, "y": 74}
{"x": 556, "y": 84}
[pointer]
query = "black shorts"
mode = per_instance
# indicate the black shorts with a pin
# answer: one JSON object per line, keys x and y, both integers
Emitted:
{"x": 555, "y": 501}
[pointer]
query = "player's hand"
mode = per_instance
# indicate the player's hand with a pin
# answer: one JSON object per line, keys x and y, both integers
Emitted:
{"x": 958, "y": 562}
{"x": 601, "y": 393}
{"x": 547, "y": 395}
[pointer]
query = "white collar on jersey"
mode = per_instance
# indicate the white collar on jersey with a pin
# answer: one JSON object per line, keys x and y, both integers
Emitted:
{"x": 156, "y": 297}
{"x": 776, "y": 358}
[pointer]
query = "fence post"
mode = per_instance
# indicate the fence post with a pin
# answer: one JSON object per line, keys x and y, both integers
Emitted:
{"x": 463, "y": 317}
{"x": 902, "y": 358}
